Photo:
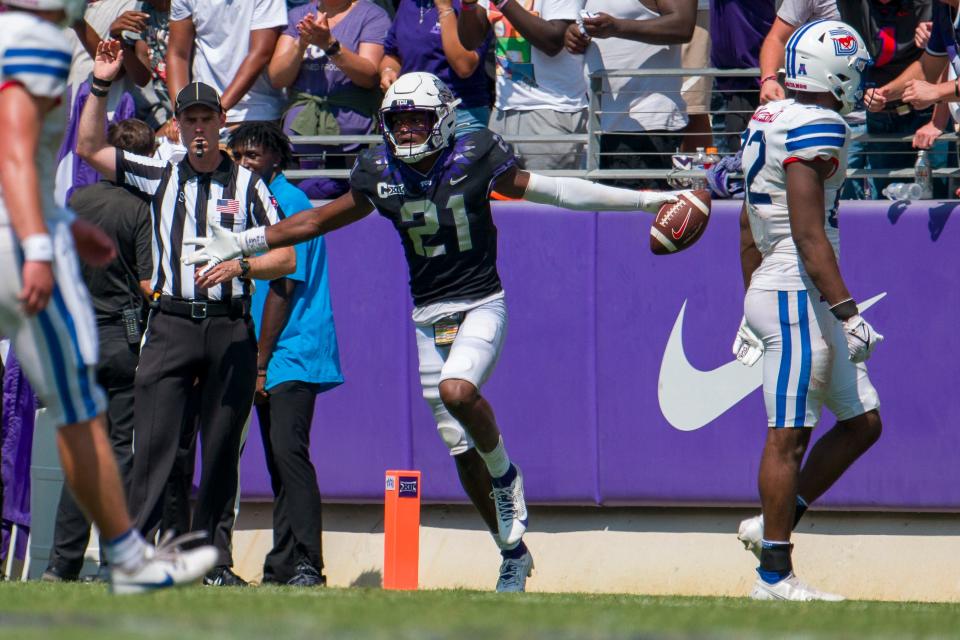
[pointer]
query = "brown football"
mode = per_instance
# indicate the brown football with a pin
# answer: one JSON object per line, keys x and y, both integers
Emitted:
{"x": 679, "y": 224}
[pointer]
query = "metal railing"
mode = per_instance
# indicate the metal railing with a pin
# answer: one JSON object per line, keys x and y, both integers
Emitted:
{"x": 590, "y": 139}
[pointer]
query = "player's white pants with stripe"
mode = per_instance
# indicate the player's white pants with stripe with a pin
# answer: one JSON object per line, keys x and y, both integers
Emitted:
{"x": 805, "y": 359}
{"x": 471, "y": 357}
{"x": 57, "y": 348}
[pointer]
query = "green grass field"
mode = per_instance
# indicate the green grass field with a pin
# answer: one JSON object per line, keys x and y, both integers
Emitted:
{"x": 38, "y": 610}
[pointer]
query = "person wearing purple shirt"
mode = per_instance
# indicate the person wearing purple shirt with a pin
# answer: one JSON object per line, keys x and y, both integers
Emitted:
{"x": 736, "y": 34}
{"x": 327, "y": 58}
{"x": 424, "y": 37}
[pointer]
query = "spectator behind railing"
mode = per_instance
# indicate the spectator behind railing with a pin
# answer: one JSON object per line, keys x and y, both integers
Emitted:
{"x": 888, "y": 28}
{"x": 540, "y": 88}
{"x": 424, "y": 37}
{"x": 155, "y": 108}
{"x": 697, "y": 91}
{"x": 102, "y": 20}
{"x": 934, "y": 77}
{"x": 230, "y": 44}
{"x": 736, "y": 32}
{"x": 328, "y": 59}
{"x": 639, "y": 105}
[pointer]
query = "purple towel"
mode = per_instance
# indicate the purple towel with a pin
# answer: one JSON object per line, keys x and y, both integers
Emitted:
{"x": 83, "y": 174}
{"x": 16, "y": 442}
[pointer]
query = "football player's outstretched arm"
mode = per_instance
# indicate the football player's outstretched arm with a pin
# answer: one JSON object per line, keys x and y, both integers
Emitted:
{"x": 576, "y": 193}
{"x": 92, "y": 143}
{"x": 224, "y": 245}
{"x": 805, "y": 201}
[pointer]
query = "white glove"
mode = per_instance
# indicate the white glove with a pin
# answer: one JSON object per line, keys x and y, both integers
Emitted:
{"x": 651, "y": 201}
{"x": 862, "y": 338}
{"x": 747, "y": 346}
{"x": 221, "y": 245}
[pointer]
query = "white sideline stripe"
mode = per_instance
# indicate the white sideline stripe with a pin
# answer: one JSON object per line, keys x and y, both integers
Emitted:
{"x": 662, "y": 239}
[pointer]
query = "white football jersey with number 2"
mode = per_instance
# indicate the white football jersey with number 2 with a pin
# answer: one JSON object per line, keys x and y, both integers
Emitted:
{"x": 780, "y": 133}
{"x": 34, "y": 55}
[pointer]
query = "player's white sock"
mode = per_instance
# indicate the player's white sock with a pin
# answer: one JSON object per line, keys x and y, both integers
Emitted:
{"x": 497, "y": 461}
{"x": 127, "y": 551}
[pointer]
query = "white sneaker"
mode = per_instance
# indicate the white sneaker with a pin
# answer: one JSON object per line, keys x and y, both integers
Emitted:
{"x": 511, "y": 510}
{"x": 790, "y": 588}
{"x": 514, "y": 573}
{"x": 165, "y": 565}
{"x": 751, "y": 534}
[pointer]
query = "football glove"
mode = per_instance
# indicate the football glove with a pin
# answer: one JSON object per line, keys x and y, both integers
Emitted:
{"x": 651, "y": 201}
{"x": 221, "y": 245}
{"x": 747, "y": 346}
{"x": 862, "y": 338}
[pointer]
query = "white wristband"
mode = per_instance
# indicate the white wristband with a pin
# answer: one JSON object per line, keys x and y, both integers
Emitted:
{"x": 254, "y": 241}
{"x": 37, "y": 248}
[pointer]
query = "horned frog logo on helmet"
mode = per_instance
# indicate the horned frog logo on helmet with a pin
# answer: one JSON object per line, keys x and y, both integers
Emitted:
{"x": 423, "y": 92}
{"x": 828, "y": 56}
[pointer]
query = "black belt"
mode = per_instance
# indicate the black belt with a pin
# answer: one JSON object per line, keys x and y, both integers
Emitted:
{"x": 200, "y": 309}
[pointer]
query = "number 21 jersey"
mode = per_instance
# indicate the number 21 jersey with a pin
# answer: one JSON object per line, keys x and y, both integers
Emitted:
{"x": 443, "y": 216}
{"x": 780, "y": 133}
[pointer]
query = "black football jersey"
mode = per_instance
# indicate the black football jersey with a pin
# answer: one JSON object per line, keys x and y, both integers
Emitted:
{"x": 443, "y": 217}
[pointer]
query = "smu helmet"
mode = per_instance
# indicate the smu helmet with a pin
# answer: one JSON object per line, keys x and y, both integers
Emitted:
{"x": 828, "y": 56}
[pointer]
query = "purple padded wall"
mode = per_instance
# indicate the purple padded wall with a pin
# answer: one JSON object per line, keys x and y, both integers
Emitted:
{"x": 576, "y": 390}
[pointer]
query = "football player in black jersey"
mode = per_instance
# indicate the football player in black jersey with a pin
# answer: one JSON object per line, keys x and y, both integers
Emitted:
{"x": 435, "y": 189}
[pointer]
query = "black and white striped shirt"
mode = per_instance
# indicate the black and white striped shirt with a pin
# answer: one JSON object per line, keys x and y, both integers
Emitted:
{"x": 184, "y": 204}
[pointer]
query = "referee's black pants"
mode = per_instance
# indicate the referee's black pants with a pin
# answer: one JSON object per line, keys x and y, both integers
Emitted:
{"x": 285, "y": 420}
{"x": 221, "y": 353}
{"x": 115, "y": 373}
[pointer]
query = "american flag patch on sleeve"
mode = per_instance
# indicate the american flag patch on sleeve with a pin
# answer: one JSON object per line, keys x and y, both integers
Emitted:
{"x": 228, "y": 206}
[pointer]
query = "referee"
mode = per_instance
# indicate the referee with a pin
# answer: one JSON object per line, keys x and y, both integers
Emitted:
{"x": 199, "y": 327}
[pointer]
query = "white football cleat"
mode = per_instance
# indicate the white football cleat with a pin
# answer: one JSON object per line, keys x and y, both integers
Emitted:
{"x": 751, "y": 534}
{"x": 514, "y": 573}
{"x": 511, "y": 509}
{"x": 164, "y": 566}
{"x": 790, "y": 588}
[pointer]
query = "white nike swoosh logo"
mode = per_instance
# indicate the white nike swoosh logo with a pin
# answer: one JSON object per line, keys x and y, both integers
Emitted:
{"x": 691, "y": 398}
{"x": 455, "y": 181}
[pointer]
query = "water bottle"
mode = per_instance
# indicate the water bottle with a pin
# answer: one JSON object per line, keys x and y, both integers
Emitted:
{"x": 699, "y": 163}
{"x": 903, "y": 191}
{"x": 921, "y": 175}
{"x": 712, "y": 157}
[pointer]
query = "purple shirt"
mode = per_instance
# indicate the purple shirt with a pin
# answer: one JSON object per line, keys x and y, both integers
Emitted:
{"x": 366, "y": 22}
{"x": 737, "y": 30}
{"x": 415, "y": 39}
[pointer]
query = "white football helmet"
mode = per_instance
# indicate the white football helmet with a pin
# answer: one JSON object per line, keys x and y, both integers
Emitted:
{"x": 828, "y": 56}
{"x": 419, "y": 91}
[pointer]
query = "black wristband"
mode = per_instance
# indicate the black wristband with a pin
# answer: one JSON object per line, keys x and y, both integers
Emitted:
{"x": 845, "y": 310}
{"x": 98, "y": 92}
{"x": 100, "y": 82}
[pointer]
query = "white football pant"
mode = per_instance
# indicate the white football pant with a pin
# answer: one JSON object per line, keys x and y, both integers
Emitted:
{"x": 57, "y": 348}
{"x": 805, "y": 359}
{"x": 471, "y": 357}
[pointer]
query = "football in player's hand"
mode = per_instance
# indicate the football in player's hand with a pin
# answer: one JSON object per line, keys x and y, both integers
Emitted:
{"x": 679, "y": 224}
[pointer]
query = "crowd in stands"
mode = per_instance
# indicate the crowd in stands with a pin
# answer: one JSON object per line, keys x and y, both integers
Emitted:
{"x": 319, "y": 67}
{"x": 309, "y": 70}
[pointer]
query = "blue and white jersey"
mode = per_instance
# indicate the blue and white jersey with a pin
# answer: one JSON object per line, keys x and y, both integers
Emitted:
{"x": 780, "y": 133}
{"x": 34, "y": 54}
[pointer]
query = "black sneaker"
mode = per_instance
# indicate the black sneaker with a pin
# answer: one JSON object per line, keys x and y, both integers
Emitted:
{"x": 307, "y": 576}
{"x": 52, "y": 574}
{"x": 223, "y": 577}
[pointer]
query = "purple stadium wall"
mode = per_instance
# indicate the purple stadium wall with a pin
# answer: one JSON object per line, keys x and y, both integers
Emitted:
{"x": 576, "y": 391}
